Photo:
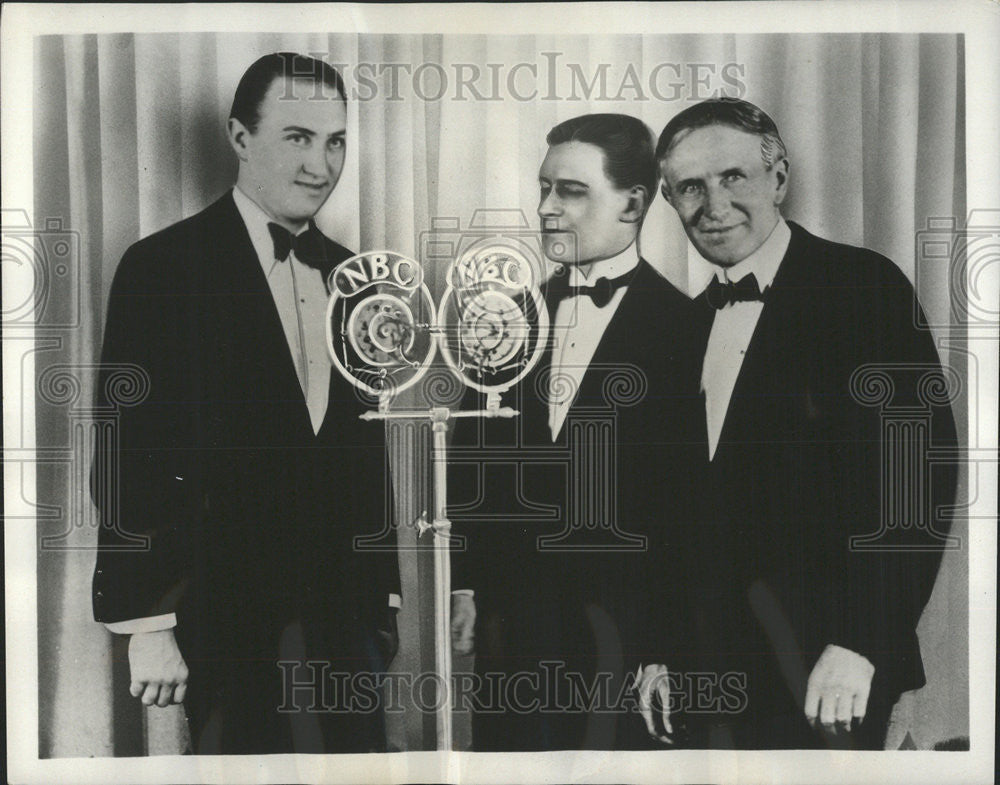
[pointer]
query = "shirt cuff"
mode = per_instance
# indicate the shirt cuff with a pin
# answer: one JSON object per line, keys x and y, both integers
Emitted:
{"x": 466, "y": 592}
{"x": 165, "y": 621}
{"x": 395, "y": 601}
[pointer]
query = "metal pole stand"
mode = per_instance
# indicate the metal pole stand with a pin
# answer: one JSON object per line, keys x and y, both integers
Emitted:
{"x": 441, "y": 527}
{"x": 383, "y": 330}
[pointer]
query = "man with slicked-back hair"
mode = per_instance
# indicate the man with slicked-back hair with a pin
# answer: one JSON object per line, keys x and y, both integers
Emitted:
{"x": 553, "y": 590}
{"x": 246, "y": 468}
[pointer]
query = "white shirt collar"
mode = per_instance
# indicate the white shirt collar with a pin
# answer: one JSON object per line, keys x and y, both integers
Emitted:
{"x": 763, "y": 262}
{"x": 256, "y": 221}
{"x": 605, "y": 268}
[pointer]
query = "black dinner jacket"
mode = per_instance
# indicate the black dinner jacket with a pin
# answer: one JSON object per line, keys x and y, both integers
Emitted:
{"x": 797, "y": 474}
{"x": 643, "y": 377}
{"x": 249, "y": 517}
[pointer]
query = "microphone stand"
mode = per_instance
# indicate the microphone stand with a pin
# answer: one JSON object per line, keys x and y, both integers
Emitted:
{"x": 384, "y": 323}
{"x": 440, "y": 526}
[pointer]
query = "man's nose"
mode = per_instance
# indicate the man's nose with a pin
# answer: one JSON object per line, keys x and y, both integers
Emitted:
{"x": 315, "y": 162}
{"x": 549, "y": 205}
{"x": 716, "y": 202}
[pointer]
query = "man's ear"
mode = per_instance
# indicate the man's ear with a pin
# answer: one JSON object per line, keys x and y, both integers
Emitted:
{"x": 237, "y": 133}
{"x": 781, "y": 175}
{"x": 665, "y": 191}
{"x": 635, "y": 208}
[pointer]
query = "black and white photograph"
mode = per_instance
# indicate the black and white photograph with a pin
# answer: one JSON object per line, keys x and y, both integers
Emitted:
{"x": 556, "y": 392}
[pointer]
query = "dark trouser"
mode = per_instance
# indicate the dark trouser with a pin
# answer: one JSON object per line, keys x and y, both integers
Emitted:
{"x": 307, "y": 699}
{"x": 553, "y": 678}
{"x": 790, "y": 731}
{"x": 773, "y": 719}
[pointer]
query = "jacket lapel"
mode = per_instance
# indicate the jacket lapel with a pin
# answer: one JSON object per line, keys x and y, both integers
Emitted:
{"x": 264, "y": 341}
{"x": 343, "y": 401}
{"x": 614, "y": 347}
{"x": 629, "y": 323}
{"x": 532, "y": 391}
{"x": 759, "y": 363}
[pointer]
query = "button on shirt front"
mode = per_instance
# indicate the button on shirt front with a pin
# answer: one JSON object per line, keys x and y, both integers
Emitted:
{"x": 577, "y": 330}
{"x": 733, "y": 328}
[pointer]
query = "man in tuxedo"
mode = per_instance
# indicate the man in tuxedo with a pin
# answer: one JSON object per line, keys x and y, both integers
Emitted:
{"x": 245, "y": 470}
{"x": 786, "y": 587}
{"x": 559, "y": 505}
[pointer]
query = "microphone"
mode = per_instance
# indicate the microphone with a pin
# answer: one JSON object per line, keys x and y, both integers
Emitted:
{"x": 378, "y": 322}
{"x": 492, "y": 317}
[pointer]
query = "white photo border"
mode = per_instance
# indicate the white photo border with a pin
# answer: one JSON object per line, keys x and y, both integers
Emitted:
{"x": 977, "y": 20}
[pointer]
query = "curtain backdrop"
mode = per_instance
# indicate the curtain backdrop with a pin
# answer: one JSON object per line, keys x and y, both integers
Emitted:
{"x": 129, "y": 138}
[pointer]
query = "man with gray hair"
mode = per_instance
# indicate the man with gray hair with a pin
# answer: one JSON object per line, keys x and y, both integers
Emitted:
{"x": 786, "y": 588}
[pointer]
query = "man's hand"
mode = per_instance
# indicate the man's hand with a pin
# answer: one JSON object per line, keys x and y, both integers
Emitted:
{"x": 159, "y": 674}
{"x": 838, "y": 688}
{"x": 652, "y": 682}
{"x": 463, "y": 623}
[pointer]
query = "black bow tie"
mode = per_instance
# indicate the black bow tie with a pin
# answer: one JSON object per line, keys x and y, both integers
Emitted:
{"x": 722, "y": 294}
{"x": 308, "y": 246}
{"x": 601, "y": 292}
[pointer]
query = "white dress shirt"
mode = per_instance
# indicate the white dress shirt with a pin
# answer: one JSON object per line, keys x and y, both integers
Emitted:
{"x": 577, "y": 330}
{"x": 733, "y": 328}
{"x": 300, "y": 296}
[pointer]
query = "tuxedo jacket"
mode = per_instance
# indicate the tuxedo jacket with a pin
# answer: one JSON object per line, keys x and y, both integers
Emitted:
{"x": 798, "y": 473}
{"x": 249, "y": 517}
{"x": 552, "y": 528}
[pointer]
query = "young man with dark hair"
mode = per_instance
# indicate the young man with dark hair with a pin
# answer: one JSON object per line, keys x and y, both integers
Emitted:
{"x": 258, "y": 79}
{"x": 246, "y": 469}
{"x": 789, "y": 588}
{"x": 553, "y": 590}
